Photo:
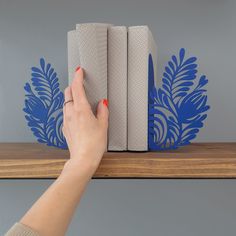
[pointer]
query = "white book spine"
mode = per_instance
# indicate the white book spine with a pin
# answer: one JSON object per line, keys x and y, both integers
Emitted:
{"x": 139, "y": 47}
{"x": 73, "y": 54}
{"x": 117, "y": 88}
{"x": 90, "y": 42}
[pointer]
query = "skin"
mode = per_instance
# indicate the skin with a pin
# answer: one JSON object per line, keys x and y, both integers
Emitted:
{"x": 86, "y": 136}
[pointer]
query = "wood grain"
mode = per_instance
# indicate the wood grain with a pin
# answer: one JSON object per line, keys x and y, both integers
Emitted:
{"x": 199, "y": 160}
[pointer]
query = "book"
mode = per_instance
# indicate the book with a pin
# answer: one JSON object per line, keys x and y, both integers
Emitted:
{"x": 117, "y": 63}
{"x": 141, "y": 44}
{"x": 87, "y": 47}
{"x": 117, "y": 88}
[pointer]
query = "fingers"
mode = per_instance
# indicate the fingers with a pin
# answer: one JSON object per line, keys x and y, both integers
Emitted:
{"x": 68, "y": 95}
{"x": 66, "y": 108}
{"x": 103, "y": 112}
{"x": 78, "y": 92}
{"x": 68, "y": 105}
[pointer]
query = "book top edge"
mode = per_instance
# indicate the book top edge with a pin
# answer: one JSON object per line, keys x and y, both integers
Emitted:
{"x": 141, "y": 29}
{"x": 118, "y": 27}
{"x": 84, "y": 25}
{"x": 93, "y": 23}
{"x": 135, "y": 27}
{"x": 138, "y": 27}
{"x": 71, "y": 32}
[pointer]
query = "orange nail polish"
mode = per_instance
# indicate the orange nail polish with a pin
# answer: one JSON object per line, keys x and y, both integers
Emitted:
{"x": 77, "y": 68}
{"x": 105, "y": 102}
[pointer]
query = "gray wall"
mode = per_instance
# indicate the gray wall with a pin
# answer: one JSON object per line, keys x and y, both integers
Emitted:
{"x": 136, "y": 207}
{"x": 30, "y": 29}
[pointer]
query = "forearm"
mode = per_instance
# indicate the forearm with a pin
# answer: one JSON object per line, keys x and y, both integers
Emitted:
{"x": 86, "y": 136}
{"x": 53, "y": 211}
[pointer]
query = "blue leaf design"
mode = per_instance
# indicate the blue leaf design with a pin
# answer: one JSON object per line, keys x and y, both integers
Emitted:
{"x": 178, "y": 109}
{"x": 43, "y": 106}
{"x": 178, "y": 76}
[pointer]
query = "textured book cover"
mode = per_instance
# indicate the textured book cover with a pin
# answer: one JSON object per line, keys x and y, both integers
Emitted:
{"x": 140, "y": 45}
{"x": 87, "y": 47}
{"x": 117, "y": 88}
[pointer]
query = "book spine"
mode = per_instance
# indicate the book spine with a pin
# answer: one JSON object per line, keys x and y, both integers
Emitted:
{"x": 93, "y": 57}
{"x": 117, "y": 88}
{"x": 138, "y": 88}
{"x": 92, "y": 49}
{"x": 73, "y": 54}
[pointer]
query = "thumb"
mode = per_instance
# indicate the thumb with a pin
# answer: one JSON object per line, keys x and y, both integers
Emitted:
{"x": 102, "y": 111}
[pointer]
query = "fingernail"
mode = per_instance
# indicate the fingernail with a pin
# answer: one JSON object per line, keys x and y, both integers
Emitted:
{"x": 105, "y": 102}
{"x": 77, "y": 68}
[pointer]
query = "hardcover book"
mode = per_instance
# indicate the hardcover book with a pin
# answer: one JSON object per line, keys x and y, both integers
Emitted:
{"x": 117, "y": 88}
{"x": 87, "y": 47}
{"x": 141, "y": 44}
{"x": 116, "y": 63}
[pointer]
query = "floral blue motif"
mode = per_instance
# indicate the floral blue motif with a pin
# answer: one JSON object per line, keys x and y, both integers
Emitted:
{"x": 43, "y": 106}
{"x": 175, "y": 114}
{"x": 176, "y": 110}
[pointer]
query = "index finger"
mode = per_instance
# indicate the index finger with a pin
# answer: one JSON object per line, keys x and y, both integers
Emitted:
{"x": 77, "y": 87}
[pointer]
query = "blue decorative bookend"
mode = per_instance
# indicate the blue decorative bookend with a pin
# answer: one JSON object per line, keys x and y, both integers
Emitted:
{"x": 176, "y": 110}
{"x": 43, "y": 106}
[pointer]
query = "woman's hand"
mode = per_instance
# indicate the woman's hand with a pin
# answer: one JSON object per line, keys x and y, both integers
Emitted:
{"x": 85, "y": 133}
{"x": 86, "y": 136}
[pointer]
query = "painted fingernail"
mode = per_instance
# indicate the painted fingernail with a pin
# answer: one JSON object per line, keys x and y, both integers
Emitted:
{"x": 105, "y": 102}
{"x": 77, "y": 68}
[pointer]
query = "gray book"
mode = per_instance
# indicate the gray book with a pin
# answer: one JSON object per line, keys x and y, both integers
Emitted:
{"x": 116, "y": 66}
{"x": 140, "y": 45}
{"x": 87, "y": 47}
{"x": 117, "y": 88}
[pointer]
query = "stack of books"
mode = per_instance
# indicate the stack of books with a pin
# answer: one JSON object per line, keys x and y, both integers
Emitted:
{"x": 116, "y": 60}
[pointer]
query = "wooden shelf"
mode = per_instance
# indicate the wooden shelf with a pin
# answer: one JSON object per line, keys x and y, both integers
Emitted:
{"x": 199, "y": 160}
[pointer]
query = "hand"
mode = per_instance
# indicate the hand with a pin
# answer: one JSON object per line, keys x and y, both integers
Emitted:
{"x": 85, "y": 133}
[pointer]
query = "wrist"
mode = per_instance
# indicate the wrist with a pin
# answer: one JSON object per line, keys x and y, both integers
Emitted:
{"x": 79, "y": 167}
